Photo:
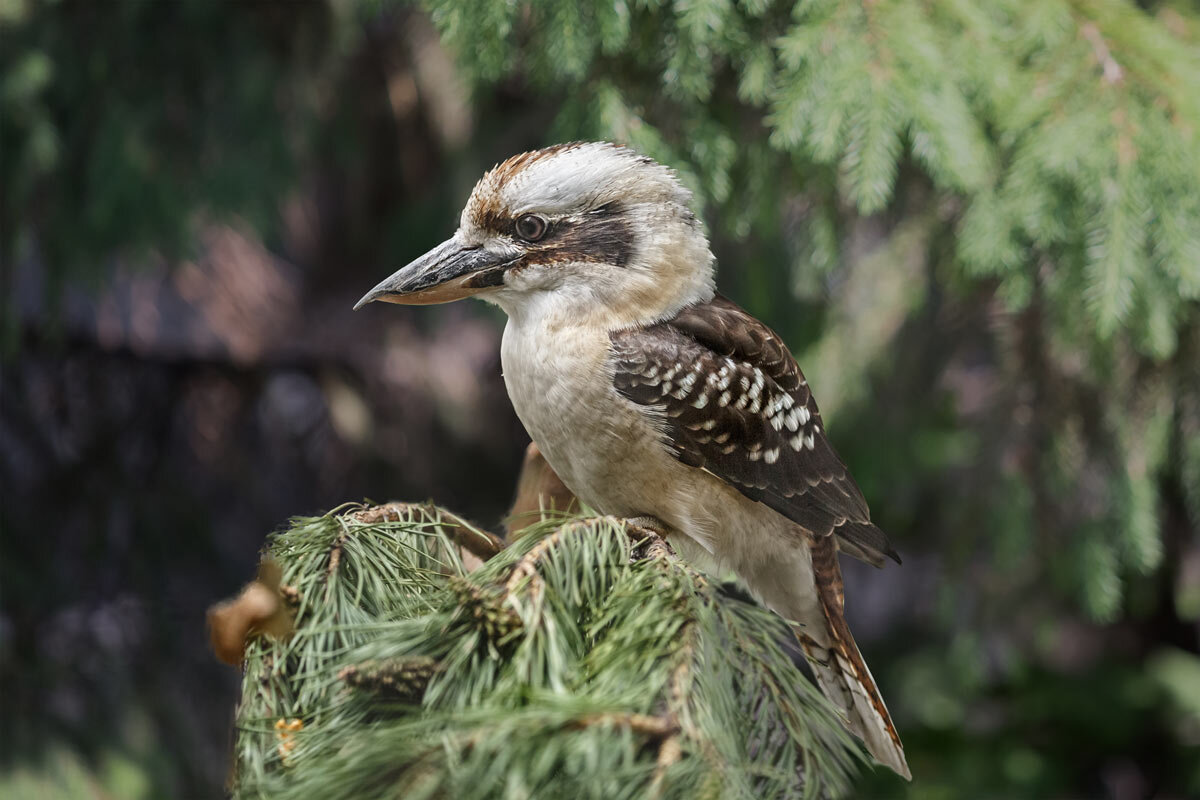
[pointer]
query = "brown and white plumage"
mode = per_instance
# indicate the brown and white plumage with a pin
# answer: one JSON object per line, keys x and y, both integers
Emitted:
{"x": 737, "y": 405}
{"x": 650, "y": 396}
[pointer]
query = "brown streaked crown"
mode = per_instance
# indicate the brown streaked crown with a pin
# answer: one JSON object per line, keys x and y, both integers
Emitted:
{"x": 600, "y": 234}
{"x": 485, "y": 207}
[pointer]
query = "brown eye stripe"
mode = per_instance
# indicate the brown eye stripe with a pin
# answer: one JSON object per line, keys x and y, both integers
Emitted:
{"x": 603, "y": 235}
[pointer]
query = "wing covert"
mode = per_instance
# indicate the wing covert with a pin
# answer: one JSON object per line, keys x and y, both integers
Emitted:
{"x": 733, "y": 401}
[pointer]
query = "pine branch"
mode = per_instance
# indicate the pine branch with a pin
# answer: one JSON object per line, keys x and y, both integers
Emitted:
{"x": 584, "y": 660}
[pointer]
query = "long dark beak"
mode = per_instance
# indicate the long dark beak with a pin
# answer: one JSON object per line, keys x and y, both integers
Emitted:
{"x": 447, "y": 272}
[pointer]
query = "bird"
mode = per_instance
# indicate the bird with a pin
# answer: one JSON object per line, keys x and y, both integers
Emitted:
{"x": 656, "y": 399}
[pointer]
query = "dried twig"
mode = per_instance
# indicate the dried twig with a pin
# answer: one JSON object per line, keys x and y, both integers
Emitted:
{"x": 335, "y": 555}
{"x": 669, "y": 753}
{"x": 527, "y": 566}
{"x": 645, "y": 724}
{"x": 1113, "y": 74}
{"x": 478, "y": 542}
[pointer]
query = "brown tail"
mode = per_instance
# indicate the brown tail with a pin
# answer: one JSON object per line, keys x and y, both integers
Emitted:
{"x": 839, "y": 667}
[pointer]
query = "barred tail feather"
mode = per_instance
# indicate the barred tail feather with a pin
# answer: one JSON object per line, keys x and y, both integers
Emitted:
{"x": 840, "y": 670}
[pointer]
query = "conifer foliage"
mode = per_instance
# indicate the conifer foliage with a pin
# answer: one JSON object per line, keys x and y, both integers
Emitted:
{"x": 1048, "y": 153}
{"x": 581, "y": 661}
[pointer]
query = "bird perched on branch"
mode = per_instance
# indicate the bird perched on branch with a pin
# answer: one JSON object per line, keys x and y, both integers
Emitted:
{"x": 653, "y": 397}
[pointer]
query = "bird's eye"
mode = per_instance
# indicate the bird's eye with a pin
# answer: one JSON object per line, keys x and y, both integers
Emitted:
{"x": 531, "y": 227}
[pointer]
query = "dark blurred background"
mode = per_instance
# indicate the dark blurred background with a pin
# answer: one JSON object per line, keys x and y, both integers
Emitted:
{"x": 976, "y": 224}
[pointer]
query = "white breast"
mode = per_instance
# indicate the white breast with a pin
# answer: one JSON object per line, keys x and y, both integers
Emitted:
{"x": 560, "y": 382}
{"x": 605, "y": 449}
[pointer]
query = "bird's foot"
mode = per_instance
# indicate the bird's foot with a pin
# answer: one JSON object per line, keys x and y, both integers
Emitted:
{"x": 652, "y": 533}
{"x": 649, "y": 524}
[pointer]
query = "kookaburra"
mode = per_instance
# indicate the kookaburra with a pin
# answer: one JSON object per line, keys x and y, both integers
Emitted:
{"x": 652, "y": 396}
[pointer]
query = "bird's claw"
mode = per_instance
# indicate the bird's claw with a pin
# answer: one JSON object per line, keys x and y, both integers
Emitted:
{"x": 652, "y": 534}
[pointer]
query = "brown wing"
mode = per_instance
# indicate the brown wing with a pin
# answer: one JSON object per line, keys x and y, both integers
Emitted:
{"x": 733, "y": 401}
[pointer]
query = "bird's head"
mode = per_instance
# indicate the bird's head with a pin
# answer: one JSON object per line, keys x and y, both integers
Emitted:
{"x": 590, "y": 230}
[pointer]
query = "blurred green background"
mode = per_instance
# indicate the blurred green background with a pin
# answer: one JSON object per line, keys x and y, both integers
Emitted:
{"x": 976, "y": 223}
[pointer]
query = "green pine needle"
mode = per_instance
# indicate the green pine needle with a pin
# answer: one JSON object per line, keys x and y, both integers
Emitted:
{"x": 583, "y": 660}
